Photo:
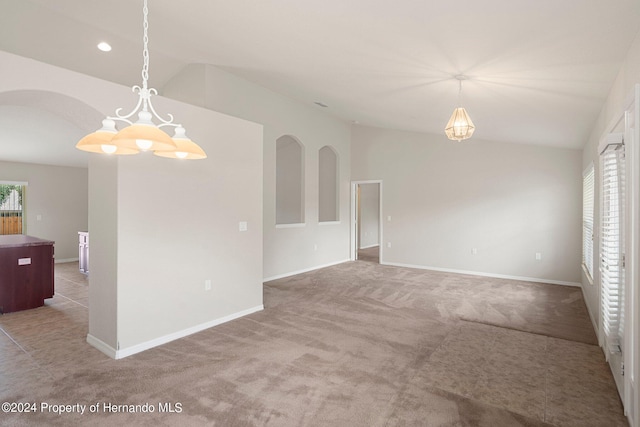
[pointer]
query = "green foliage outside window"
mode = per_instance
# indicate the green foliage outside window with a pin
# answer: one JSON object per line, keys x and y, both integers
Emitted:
{"x": 5, "y": 191}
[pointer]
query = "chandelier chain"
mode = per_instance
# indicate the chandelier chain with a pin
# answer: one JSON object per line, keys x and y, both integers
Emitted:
{"x": 145, "y": 41}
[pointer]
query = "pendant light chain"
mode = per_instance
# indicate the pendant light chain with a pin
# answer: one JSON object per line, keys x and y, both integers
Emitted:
{"x": 145, "y": 51}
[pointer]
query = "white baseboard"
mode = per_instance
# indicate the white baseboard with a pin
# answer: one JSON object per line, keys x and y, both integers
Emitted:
{"x": 122, "y": 353}
{"x": 478, "y": 273}
{"x": 370, "y": 246}
{"x": 102, "y": 346}
{"x": 60, "y": 261}
{"x": 306, "y": 270}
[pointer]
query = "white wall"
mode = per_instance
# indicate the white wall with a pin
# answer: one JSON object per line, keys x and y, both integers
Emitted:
{"x": 369, "y": 215}
{"x": 58, "y": 195}
{"x": 158, "y": 227}
{"x": 178, "y": 225}
{"x": 286, "y": 250}
{"x": 507, "y": 201}
{"x": 103, "y": 253}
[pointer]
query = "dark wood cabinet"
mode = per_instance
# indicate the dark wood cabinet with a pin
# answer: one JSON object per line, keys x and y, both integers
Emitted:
{"x": 26, "y": 272}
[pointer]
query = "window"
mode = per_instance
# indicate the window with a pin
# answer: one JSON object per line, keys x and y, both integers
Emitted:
{"x": 328, "y": 185}
{"x": 289, "y": 181}
{"x": 587, "y": 220}
{"x": 11, "y": 208}
{"x": 612, "y": 243}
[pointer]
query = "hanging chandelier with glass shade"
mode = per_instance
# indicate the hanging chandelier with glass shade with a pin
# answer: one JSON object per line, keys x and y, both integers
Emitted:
{"x": 460, "y": 125}
{"x": 144, "y": 134}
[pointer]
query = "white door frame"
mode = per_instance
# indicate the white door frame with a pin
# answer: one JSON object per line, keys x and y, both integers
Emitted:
{"x": 354, "y": 217}
{"x": 632, "y": 251}
{"x": 631, "y": 117}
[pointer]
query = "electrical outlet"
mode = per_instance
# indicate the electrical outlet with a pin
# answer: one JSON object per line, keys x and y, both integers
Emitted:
{"x": 242, "y": 226}
{"x": 207, "y": 285}
{"x": 389, "y": 218}
{"x": 538, "y": 256}
{"x": 388, "y": 244}
{"x": 315, "y": 247}
{"x": 474, "y": 251}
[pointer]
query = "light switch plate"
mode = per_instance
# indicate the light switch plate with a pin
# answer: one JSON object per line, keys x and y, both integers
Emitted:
{"x": 243, "y": 226}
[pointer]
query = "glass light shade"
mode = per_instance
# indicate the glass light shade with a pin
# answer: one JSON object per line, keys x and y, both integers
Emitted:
{"x": 460, "y": 125}
{"x": 100, "y": 141}
{"x": 144, "y": 135}
{"x": 186, "y": 148}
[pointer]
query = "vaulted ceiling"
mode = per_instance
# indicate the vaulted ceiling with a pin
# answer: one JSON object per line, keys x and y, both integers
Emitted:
{"x": 539, "y": 71}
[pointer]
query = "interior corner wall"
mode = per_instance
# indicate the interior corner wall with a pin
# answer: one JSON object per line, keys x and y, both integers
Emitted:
{"x": 506, "y": 201}
{"x": 293, "y": 249}
{"x": 189, "y": 85}
{"x": 56, "y": 203}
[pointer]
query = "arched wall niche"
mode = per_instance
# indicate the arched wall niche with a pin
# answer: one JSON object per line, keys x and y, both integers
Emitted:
{"x": 289, "y": 181}
{"x": 328, "y": 179}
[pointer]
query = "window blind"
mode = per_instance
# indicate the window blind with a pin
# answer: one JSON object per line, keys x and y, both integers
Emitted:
{"x": 587, "y": 219}
{"x": 612, "y": 244}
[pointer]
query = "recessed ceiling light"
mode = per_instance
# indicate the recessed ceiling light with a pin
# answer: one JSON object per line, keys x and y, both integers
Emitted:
{"x": 321, "y": 104}
{"x": 104, "y": 46}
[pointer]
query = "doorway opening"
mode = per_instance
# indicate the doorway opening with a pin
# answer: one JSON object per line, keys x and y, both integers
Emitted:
{"x": 366, "y": 221}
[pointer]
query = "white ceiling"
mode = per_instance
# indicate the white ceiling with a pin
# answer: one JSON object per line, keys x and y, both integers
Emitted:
{"x": 539, "y": 70}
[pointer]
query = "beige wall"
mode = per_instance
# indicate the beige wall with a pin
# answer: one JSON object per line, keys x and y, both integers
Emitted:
{"x": 286, "y": 250}
{"x": 58, "y": 196}
{"x": 507, "y": 201}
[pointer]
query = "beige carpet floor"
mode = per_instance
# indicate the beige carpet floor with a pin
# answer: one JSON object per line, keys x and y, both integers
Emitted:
{"x": 357, "y": 344}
